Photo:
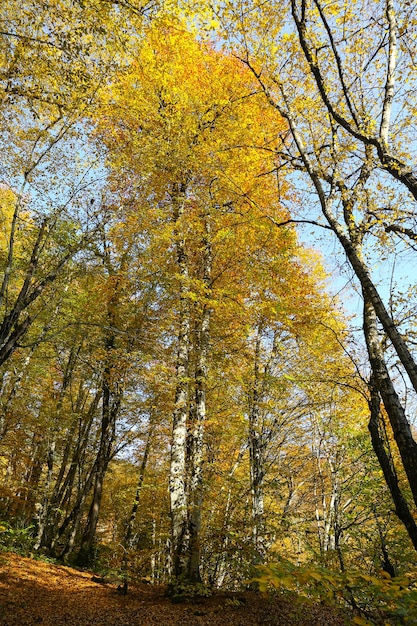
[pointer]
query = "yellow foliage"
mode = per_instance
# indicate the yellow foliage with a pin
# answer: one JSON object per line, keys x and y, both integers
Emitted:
{"x": 7, "y": 207}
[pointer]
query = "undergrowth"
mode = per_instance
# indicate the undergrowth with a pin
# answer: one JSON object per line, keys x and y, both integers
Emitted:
{"x": 17, "y": 539}
{"x": 374, "y": 600}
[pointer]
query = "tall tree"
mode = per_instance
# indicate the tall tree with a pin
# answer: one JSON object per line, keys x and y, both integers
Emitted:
{"x": 334, "y": 81}
{"x": 55, "y": 57}
{"x": 192, "y": 118}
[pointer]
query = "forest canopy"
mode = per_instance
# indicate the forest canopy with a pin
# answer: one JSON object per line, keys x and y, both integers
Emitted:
{"x": 186, "y": 393}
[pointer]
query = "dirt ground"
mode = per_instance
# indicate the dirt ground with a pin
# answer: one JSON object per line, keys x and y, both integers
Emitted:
{"x": 35, "y": 592}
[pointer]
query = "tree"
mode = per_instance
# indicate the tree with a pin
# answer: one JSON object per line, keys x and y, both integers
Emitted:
{"x": 188, "y": 401}
{"x": 190, "y": 159}
{"x": 334, "y": 82}
{"x": 185, "y": 141}
{"x": 55, "y": 56}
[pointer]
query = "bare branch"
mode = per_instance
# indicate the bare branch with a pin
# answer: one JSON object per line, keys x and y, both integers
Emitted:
{"x": 396, "y": 228}
{"x": 338, "y": 63}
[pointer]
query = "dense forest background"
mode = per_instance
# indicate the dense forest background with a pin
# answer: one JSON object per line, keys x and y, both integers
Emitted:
{"x": 183, "y": 396}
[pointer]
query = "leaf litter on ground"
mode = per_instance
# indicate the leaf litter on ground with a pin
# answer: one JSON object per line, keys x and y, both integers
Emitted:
{"x": 38, "y": 592}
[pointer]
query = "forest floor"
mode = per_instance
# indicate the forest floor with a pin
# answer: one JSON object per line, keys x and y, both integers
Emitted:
{"x": 36, "y": 592}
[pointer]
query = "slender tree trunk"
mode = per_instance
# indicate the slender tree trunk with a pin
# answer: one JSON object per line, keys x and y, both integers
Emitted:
{"x": 381, "y": 449}
{"x": 110, "y": 410}
{"x": 380, "y": 443}
{"x": 197, "y": 434}
{"x": 177, "y": 478}
{"x": 7, "y": 402}
{"x": 127, "y": 539}
{"x": 386, "y": 563}
{"x": 72, "y": 461}
{"x": 319, "y": 492}
{"x": 112, "y": 399}
{"x": 45, "y": 509}
{"x": 257, "y": 444}
{"x": 218, "y": 575}
{"x": 64, "y": 486}
{"x": 395, "y": 411}
{"x": 257, "y": 474}
{"x": 58, "y": 521}
{"x": 373, "y": 298}
{"x": 73, "y": 519}
{"x": 195, "y": 462}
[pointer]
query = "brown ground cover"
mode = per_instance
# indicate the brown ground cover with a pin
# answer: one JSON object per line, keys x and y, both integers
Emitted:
{"x": 35, "y": 592}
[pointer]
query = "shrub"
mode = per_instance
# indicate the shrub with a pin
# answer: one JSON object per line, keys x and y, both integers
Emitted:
{"x": 381, "y": 597}
{"x": 17, "y": 539}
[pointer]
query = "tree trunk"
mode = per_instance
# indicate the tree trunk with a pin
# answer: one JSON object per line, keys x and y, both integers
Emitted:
{"x": 258, "y": 437}
{"x": 64, "y": 485}
{"x": 195, "y": 484}
{"x": 256, "y": 460}
{"x": 45, "y": 508}
{"x": 127, "y": 539}
{"x": 110, "y": 410}
{"x": 371, "y": 295}
{"x": 395, "y": 411}
{"x": 112, "y": 399}
{"x": 73, "y": 519}
{"x": 177, "y": 477}
{"x": 385, "y": 460}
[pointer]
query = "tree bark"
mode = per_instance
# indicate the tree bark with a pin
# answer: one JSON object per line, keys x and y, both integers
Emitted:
{"x": 177, "y": 477}
{"x": 110, "y": 410}
{"x": 195, "y": 495}
{"x": 256, "y": 460}
{"x": 395, "y": 411}
{"x": 385, "y": 461}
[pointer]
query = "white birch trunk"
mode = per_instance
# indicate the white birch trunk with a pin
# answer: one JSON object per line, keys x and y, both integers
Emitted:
{"x": 196, "y": 479}
{"x": 177, "y": 477}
